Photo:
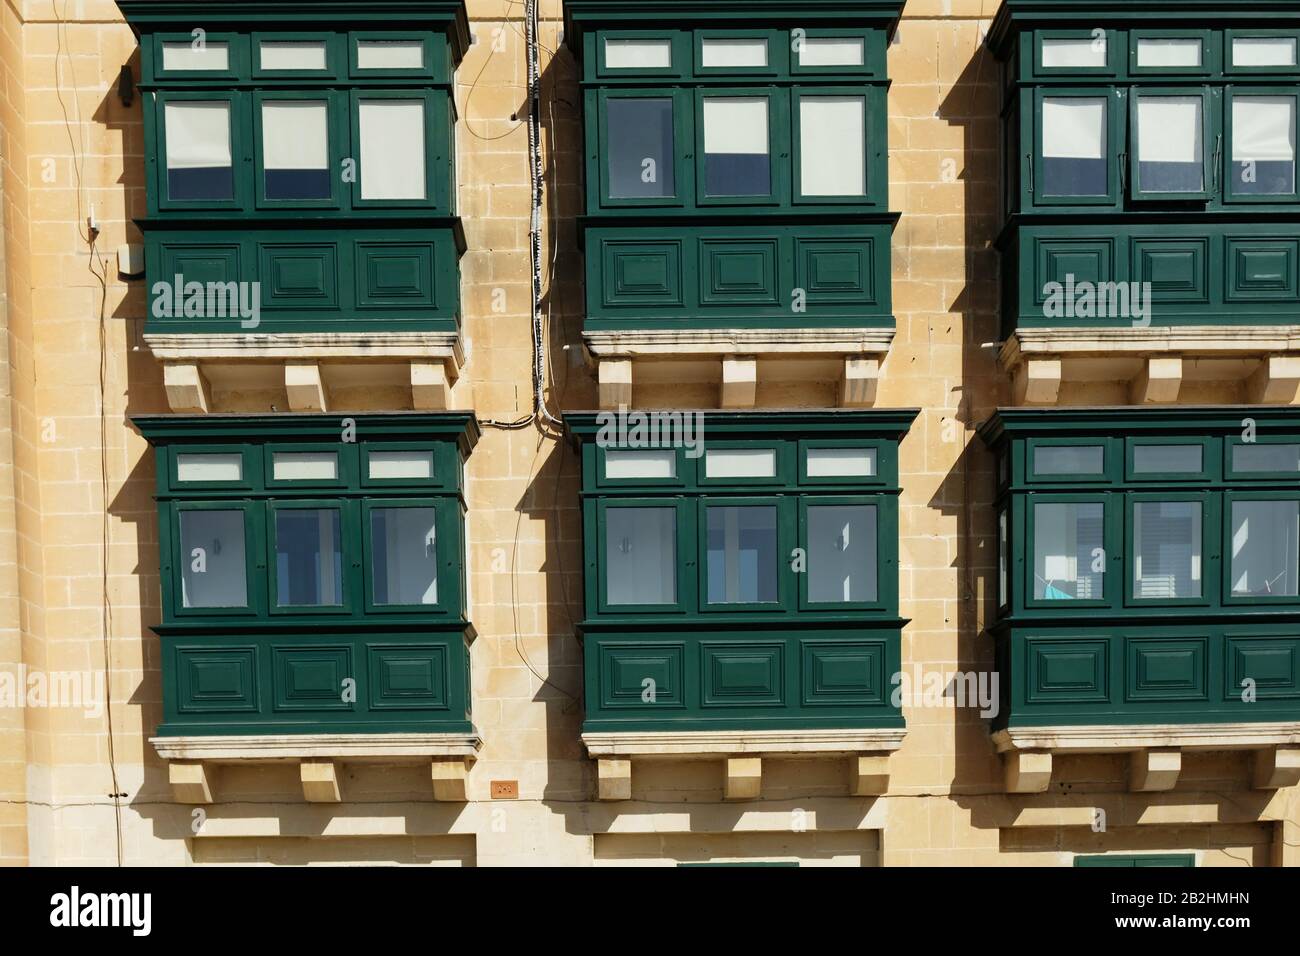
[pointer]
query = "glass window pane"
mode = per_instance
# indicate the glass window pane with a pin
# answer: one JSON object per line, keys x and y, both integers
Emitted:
{"x": 1270, "y": 457}
{"x": 1069, "y": 460}
{"x": 841, "y": 553}
{"x": 1265, "y": 537}
{"x": 641, "y": 555}
{"x": 391, "y": 465}
{"x": 641, "y": 463}
{"x": 304, "y": 466}
{"x": 403, "y": 556}
{"x": 1166, "y": 549}
{"x": 213, "y": 570}
{"x": 295, "y": 149}
{"x": 841, "y": 462}
{"x": 1263, "y": 145}
{"x": 1002, "y": 558}
{"x": 638, "y": 54}
{"x": 1168, "y": 459}
{"x": 392, "y": 149}
{"x": 1171, "y": 151}
{"x": 1081, "y": 52}
{"x": 1074, "y": 146}
{"x": 1068, "y": 543}
{"x": 724, "y": 53}
{"x": 832, "y": 146}
{"x": 640, "y": 143}
{"x": 308, "y": 558}
{"x": 742, "y": 555}
{"x": 736, "y": 160}
{"x": 1264, "y": 51}
{"x": 390, "y": 55}
{"x": 1160, "y": 53}
{"x": 292, "y": 55}
{"x": 198, "y": 150}
{"x": 185, "y": 55}
{"x": 832, "y": 51}
{"x": 210, "y": 467}
{"x": 740, "y": 463}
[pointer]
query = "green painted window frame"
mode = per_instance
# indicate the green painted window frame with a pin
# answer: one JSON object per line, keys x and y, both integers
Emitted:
{"x": 1211, "y": 546}
{"x": 445, "y": 514}
{"x": 1209, "y": 165}
{"x": 434, "y": 482}
{"x": 886, "y": 564}
{"x": 346, "y": 471}
{"x": 435, "y": 55}
{"x": 240, "y": 150}
{"x": 778, "y": 53}
{"x": 879, "y": 448}
{"x": 254, "y": 558}
{"x": 786, "y": 531}
{"x": 680, "y": 53}
{"x": 238, "y": 58}
{"x": 778, "y": 138}
{"x": 1033, "y": 476}
{"x": 333, "y": 55}
{"x": 336, "y": 124}
{"x": 1208, "y": 459}
{"x": 685, "y": 535}
{"x": 783, "y": 470}
{"x": 1253, "y": 33}
{"x": 1230, "y": 197}
{"x": 1209, "y": 53}
{"x": 1115, "y": 130}
{"x": 1111, "y": 522}
{"x": 679, "y": 470}
{"x": 1249, "y": 477}
{"x": 1138, "y": 860}
{"x": 683, "y": 136}
{"x": 872, "y": 59}
{"x": 1230, "y": 497}
{"x": 437, "y": 146}
{"x": 873, "y": 99}
{"x": 245, "y": 483}
{"x": 1114, "y": 54}
{"x": 349, "y": 548}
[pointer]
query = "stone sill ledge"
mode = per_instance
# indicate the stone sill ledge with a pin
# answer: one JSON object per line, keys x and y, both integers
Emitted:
{"x": 751, "y": 742}
{"x": 181, "y": 346}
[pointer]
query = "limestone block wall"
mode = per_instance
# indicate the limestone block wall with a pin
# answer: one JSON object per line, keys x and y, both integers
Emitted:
{"x": 79, "y": 583}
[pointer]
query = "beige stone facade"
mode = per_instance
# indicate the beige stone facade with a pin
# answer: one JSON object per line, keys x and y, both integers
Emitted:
{"x": 79, "y": 579}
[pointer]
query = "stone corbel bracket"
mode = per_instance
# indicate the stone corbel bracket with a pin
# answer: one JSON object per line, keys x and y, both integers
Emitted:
{"x": 193, "y": 762}
{"x": 741, "y": 754}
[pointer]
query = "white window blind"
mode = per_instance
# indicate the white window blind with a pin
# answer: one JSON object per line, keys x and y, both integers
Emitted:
{"x": 832, "y": 51}
{"x": 1263, "y": 129}
{"x": 1164, "y": 53}
{"x": 841, "y": 462}
{"x": 730, "y": 53}
{"x": 210, "y": 467}
{"x": 305, "y": 466}
{"x": 198, "y": 134}
{"x": 184, "y": 55}
{"x": 392, "y": 149}
{"x": 390, "y": 55}
{"x": 1169, "y": 129}
{"x": 638, "y": 54}
{"x": 1074, "y": 128}
{"x": 735, "y": 124}
{"x": 1074, "y": 53}
{"x": 291, "y": 55}
{"x": 295, "y": 135}
{"x": 740, "y": 463}
{"x": 833, "y": 146}
{"x": 1264, "y": 51}
{"x": 416, "y": 465}
{"x": 641, "y": 463}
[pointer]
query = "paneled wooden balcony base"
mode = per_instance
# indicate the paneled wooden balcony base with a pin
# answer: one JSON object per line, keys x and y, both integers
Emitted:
{"x": 1155, "y": 751}
{"x": 738, "y": 360}
{"x": 308, "y": 371}
{"x": 742, "y": 752}
{"x": 194, "y": 762}
{"x": 1156, "y": 362}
